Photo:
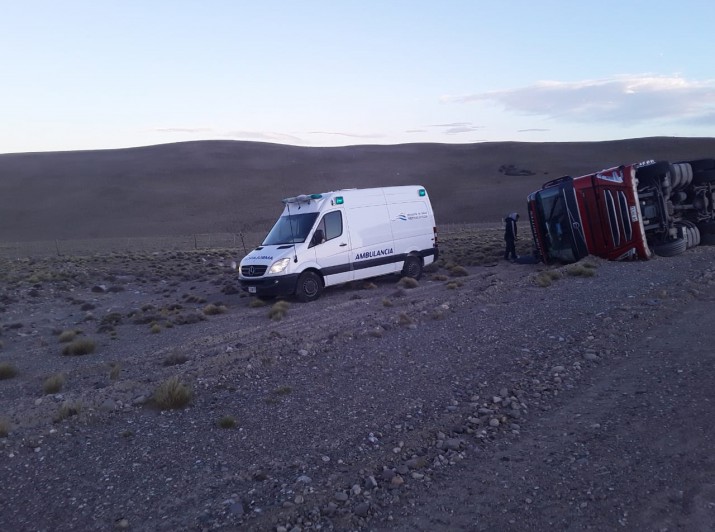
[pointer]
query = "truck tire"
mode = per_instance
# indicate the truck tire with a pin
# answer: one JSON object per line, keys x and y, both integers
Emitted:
{"x": 702, "y": 164}
{"x": 412, "y": 267}
{"x": 693, "y": 233}
{"x": 671, "y": 248}
{"x": 654, "y": 171}
{"x": 309, "y": 286}
{"x": 707, "y": 233}
{"x": 704, "y": 176}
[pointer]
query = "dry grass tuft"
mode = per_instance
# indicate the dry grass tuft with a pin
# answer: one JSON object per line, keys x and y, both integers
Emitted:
{"x": 172, "y": 393}
{"x": 369, "y": 285}
{"x": 213, "y": 310}
{"x": 408, "y": 282}
{"x": 387, "y": 303}
{"x": 227, "y": 422}
{"x": 69, "y": 409}
{"x": 114, "y": 371}
{"x": 67, "y": 336}
{"x": 4, "y": 427}
{"x": 278, "y": 310}
{"x": 581, "y": 269}
{"x": 80, "y": 346}
{"x": 175, "y": 359}
{"x": 257, "y": 302}
{"x": 53, "y": 383}
{"x": 404, "y": 319}
{"x": 458, "y": 271}
{"x": 7, "y": 370}
{"x": 546, "y": 278}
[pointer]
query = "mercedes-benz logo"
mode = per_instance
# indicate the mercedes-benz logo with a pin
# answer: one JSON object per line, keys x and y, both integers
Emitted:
{"x": 251, "y": 270}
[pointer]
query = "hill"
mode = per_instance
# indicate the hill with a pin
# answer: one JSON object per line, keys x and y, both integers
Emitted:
{"x": 229, "y": 186}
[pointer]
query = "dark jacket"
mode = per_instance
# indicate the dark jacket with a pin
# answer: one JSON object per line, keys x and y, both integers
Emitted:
{"x": 510, "y": 226}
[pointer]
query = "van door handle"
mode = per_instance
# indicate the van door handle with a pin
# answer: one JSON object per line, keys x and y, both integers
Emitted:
{"x": 343, "y": 244}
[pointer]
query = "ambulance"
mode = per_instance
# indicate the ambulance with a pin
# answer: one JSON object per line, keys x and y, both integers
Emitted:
{"x": 326, "y": 239}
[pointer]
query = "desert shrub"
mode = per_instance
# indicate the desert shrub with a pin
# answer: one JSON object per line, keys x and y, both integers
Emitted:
{"x": 188, "y": 319}
{"x": 369, "y": 285}
{"x": 581, "y": 269}
{"x": 458, "y": 271}
{"x": 282, "y": 390}
{"x": 155, "y": 328}
{"x": 172, "y": 393}
{"x": 212, "y": 310}
{"x": 408, "y": 282}
{"x": 387, "y": 303}
{"x": 67, "y": 336}
{"x": 439, "y": 277}
{"x": 227, "y": 422}
{"x": 53, "y": 383}
{"x": 7, "y": 370}
{"x": 404, "y": 319}
{"x": 546, "y": 277}
{"x": 256, "y": 303}
{"x": 278, "y": 310}
{"x": 68, "y": 409}
{"x": 114, "y": 371}
{"x": 4, "y": 427}
{"x": 80, "y": 346}
{"x": 175, "y": 359}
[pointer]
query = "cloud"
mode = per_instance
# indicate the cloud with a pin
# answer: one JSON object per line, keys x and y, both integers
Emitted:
{"x": 456, "y": 128}
{"x": 182, "y": 129}
{"x": 351, "y": 135}
{"x": 533, "y": 129}
{"x": 623, "y": 99}
{"x": 263, "y": 136}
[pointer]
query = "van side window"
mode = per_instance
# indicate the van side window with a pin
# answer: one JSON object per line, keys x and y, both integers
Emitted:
{"x": 333, "y": 225}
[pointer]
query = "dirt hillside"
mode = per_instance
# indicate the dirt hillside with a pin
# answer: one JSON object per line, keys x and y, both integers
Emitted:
{"x": 227, "y": 186}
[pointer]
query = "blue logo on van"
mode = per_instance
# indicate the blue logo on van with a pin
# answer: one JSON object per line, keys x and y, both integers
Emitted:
{"x": 402, "y": 216}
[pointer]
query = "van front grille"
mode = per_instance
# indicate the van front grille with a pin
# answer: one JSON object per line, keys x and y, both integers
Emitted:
{"x": 253, "y": 270}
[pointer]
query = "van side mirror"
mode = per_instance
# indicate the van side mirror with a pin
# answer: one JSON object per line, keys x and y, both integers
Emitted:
{"x": 318, "y": 237}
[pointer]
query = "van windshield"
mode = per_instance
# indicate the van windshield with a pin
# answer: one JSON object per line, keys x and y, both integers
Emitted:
{"x": 291, "y": 229}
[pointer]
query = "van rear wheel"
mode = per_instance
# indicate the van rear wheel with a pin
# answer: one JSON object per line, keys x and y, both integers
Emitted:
{"x": 309, "y": 287}
{"x": 412, "y": 267}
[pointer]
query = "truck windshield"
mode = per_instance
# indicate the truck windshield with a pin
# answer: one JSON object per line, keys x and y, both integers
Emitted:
{"x": 555, "y": 225}
{"x": 291, "y": 229}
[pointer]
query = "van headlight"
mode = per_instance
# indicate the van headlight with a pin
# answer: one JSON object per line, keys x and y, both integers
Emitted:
{"x": 279, "y": 265}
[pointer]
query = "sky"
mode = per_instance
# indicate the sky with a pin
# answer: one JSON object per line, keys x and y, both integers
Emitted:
{"x": 104, "y": 74}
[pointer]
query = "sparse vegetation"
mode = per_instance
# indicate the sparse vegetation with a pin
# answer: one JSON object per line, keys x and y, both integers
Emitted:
{"x": 114, "y": 371}
{"x": 458, "y": 271}
{"x": 404, "y": 319}
{"x": 155, "y": 328}
{"x": 175, "y": 359}
{"x": 408, "y": 282}
{"x": 80, "y": 346}
{"x": 67, "y": 336}
{"x": 212, "y": 310}
{"x": 581, "y": 269}
{"x": 53, "y": 383}
{"x": 172, "y": 394}
{"x": 4, "y": 427}
{"x": 227, "y": 422}
{"x": 387, "y": 303}
{"x": 278, "y": 310}
{"x": 256, "y": 302}
{"x": 7, "y": 370}
{"x": 69, "y": 409}
{"x": 546, "y": 278}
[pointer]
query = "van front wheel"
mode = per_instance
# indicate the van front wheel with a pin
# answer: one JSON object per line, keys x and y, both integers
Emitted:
{"x": 309, "y": 287}
{"x": 412, "y": 267}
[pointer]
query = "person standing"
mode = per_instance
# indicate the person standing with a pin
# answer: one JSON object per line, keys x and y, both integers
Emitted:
{"x": 510, "y": 235}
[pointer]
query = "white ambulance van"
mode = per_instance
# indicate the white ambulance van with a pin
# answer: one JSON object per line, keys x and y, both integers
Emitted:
{"x": 326, "y": 239}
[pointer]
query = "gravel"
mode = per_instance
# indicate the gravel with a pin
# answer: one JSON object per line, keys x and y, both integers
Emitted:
{"x": 493, "y": 405}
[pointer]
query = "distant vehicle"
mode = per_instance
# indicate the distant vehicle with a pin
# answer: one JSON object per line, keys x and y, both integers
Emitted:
{"x": 336, "y": 237}
{"x": 625, "y": 212}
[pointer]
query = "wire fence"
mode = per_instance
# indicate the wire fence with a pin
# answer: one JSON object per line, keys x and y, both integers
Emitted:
{"x": 242, "y": 243}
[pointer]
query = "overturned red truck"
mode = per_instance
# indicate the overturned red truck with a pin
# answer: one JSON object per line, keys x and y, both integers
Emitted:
{"x": 625, "y": 212}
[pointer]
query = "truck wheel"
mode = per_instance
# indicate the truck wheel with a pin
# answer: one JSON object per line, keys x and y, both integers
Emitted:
{"x": 704, "y": 176}
{"x": 412, "y": 267}
{"x": 707, "y": 233}
{"x": 309, "y": 287}
{"x": 653, "y": 171}
{"x": 702, "y": 164}
{"x": 670, "y": 248}
{"x": 693, "y": 233}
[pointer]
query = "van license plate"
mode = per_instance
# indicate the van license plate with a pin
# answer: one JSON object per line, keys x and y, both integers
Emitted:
{"x": 251, "y": 289}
